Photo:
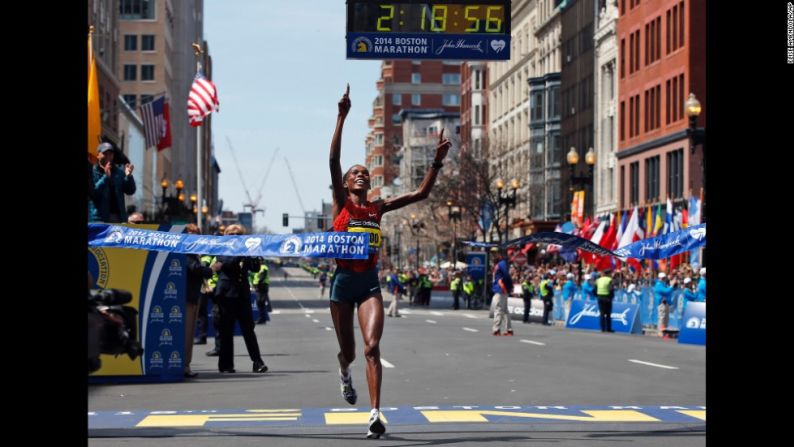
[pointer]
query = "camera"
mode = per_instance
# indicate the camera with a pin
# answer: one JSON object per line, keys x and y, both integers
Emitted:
{"x": 112, "y": 327}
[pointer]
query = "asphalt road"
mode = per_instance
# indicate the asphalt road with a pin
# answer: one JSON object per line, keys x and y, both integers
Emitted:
{"x": 446, "y": 380}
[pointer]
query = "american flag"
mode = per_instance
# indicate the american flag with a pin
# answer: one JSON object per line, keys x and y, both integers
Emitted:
{"x": 155, "y": 123}
{"x": 202, "y": 100}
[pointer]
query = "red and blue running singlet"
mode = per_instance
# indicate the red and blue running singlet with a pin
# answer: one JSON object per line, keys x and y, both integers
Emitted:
{"x": 360, "y": 219}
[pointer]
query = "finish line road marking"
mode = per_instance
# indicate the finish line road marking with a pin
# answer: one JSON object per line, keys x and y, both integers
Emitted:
{"x": 653, "y": 364}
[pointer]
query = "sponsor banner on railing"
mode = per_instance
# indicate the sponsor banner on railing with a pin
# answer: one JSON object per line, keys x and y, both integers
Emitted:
{"x": 693, "y": 325}
{"x": 585, "y": 315}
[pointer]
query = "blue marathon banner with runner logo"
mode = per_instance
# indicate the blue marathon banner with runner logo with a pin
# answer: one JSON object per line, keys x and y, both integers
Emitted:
{"x": 312, "y": 245}
{"x": 693, "y": 325}
{"x": 584, "y": 315}
{"x": 664, "y": 246}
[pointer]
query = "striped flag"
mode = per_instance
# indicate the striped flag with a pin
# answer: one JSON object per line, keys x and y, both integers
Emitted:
{"x": 156, "y": 125}
{"x": 202, "y": 100}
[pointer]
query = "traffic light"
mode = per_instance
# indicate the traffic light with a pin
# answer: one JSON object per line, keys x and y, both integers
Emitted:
{"x": 285, "y": 220}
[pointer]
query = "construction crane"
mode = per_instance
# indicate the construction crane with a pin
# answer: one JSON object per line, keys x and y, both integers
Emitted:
{"x": 251, "y": 204}
{"x": 295, "y": 185}
{"x": 264, "y": 179}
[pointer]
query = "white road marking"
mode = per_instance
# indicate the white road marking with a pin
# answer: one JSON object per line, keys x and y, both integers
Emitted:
{"x": 314, "y": 320}
{"x": 469, "y": 316}
{"x": 470, "y": 329}
{"x": 431, "y": 321}
{"x": 385, "y": 363}
{"x": 328, "y": 329}
{"x": 533, "y": 342}
{"x": 276, "y": 312}
{"x": 653, "y": 364}
{"x": 438, "y": 314}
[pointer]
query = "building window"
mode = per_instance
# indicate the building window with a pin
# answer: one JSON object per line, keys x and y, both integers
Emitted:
{"x": 635, "y": 182}
{"x": 379, "y": 139}
{"x": 622, "y": 58}
{"x": 476, "y": 79}
{"x": 658, "y": 105}
{"x": 647, "y": 43}
{"x": 553, "y": 197}
{"x": 658, "y": 38}
{"x": 377, "y": 160}
{"x": 136, "y": 9}
{"x": 130, "y": 42}
{"x": 631, "y": 117}
{"x": 681, "y": 95}
{"x": 147, "y": 42}
{"x": 537, "y": 106}
{"x": 416, "y": 99}
{"x": 681, "y": 24}
{"x": 396, "y": 99}
{"x": 647, "y": 115}
{"x": 667, "y": 102}
{"x": 652, "y": 179}
{"x": 396, "y": 118}
{"x": 636, "y": 115}
{"x": 675, "y": 28}
{"x": 622, "y": 120}
{"x": 675, "y": 174}
{"x": 675, "y": 99}
{"x": 668, "y": 34}
{"x": 622, "y": 187}
{"x": 450, "y": 100}
{"x": 450, "y": 78}
{"x": 130, "y": 72}
{"x": 554, "y": 103}
{"x": 637, "y": 51}
{"x": 416, "y": 78}
{"x": 146, "y": 99}
{"x": 555, "y": 150}
{"x": 130, "y": 100}
{"x": 631, "y": 54}
{"x": 147, "y": 72}
{"x": 476, "y": 115}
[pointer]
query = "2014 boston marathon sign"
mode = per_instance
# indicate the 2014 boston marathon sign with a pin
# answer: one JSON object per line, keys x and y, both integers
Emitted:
{"x": 428, "y": 29}
{"x": 312, "y": 245}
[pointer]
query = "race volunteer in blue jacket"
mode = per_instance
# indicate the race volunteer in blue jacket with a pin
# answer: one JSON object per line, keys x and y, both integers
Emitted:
{"x": 702, "y": 285}
{"x": 588, "y": 290}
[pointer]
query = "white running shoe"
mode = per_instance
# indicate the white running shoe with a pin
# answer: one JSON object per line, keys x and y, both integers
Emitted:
{"x": 348, "y": 392}
{"x": 376, "y": 427}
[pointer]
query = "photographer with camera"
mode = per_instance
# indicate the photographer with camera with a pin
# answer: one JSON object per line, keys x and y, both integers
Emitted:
{"x": 111, "y": 326}
{"x": 196, "y": 274}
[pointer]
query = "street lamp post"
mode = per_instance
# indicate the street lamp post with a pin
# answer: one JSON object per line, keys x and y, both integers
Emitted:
{"x": 453, "y": 212}
{"x": 399, "y": 247}
{"x": 416, "y": 226}
{"x": 697, "y": 136}
{"x": 582, "y": 180}
{"x": 573, "y": 159}
{"x": 175, "y": 205}
{"x": 508, "y": 199}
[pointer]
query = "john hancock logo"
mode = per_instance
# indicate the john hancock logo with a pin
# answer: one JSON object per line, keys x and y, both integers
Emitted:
{"x": 170, "y": 291}
{"x": 166, "y": 338}
{"x": 175, "y": 360}
{"x": 361, "y": 45}
{"x": 175, "y": 268}
{"x": 156, "y": 360}
{"x": 175, "y": 316}
{"x": 156, "y": 316}
{"x": 291, "y": 246}
{"x": 114, "y": 236}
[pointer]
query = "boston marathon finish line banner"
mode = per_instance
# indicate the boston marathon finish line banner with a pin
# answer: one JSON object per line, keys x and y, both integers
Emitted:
{"x": 311, "y": 245}
{"x": 660, "y": 247}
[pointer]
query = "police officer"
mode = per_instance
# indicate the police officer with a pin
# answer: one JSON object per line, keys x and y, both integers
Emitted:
{"x": 262, "y": 284}
{"x": 605, "y": 291}
{"x": 547, "y": 295}
{"x": 454, "y": 287}
{"x": 527, "y": 290}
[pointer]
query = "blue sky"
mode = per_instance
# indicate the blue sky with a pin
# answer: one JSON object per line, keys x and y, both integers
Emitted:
{"x": 280, "y": 70}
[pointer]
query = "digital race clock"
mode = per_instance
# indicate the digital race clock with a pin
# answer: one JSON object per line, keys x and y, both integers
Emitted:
{"x": 422, "y": 29}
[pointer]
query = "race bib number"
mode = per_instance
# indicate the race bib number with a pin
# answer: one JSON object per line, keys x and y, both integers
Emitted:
{"x": 374, "y": 234}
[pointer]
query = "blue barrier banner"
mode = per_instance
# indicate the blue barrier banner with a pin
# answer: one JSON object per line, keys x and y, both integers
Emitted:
{"x": 584, "y": 315}
{"x": 157, "y": 282}
{"x": 476, "y": 262}
{"x": 693, "y": 325}
{"x": 312, "y": 245}
{"x": 666, "y": 245}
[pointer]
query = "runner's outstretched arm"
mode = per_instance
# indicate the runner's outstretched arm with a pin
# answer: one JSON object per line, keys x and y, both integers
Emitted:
{"x": 340, "y": 196}
{"x": 427, "y": 184}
